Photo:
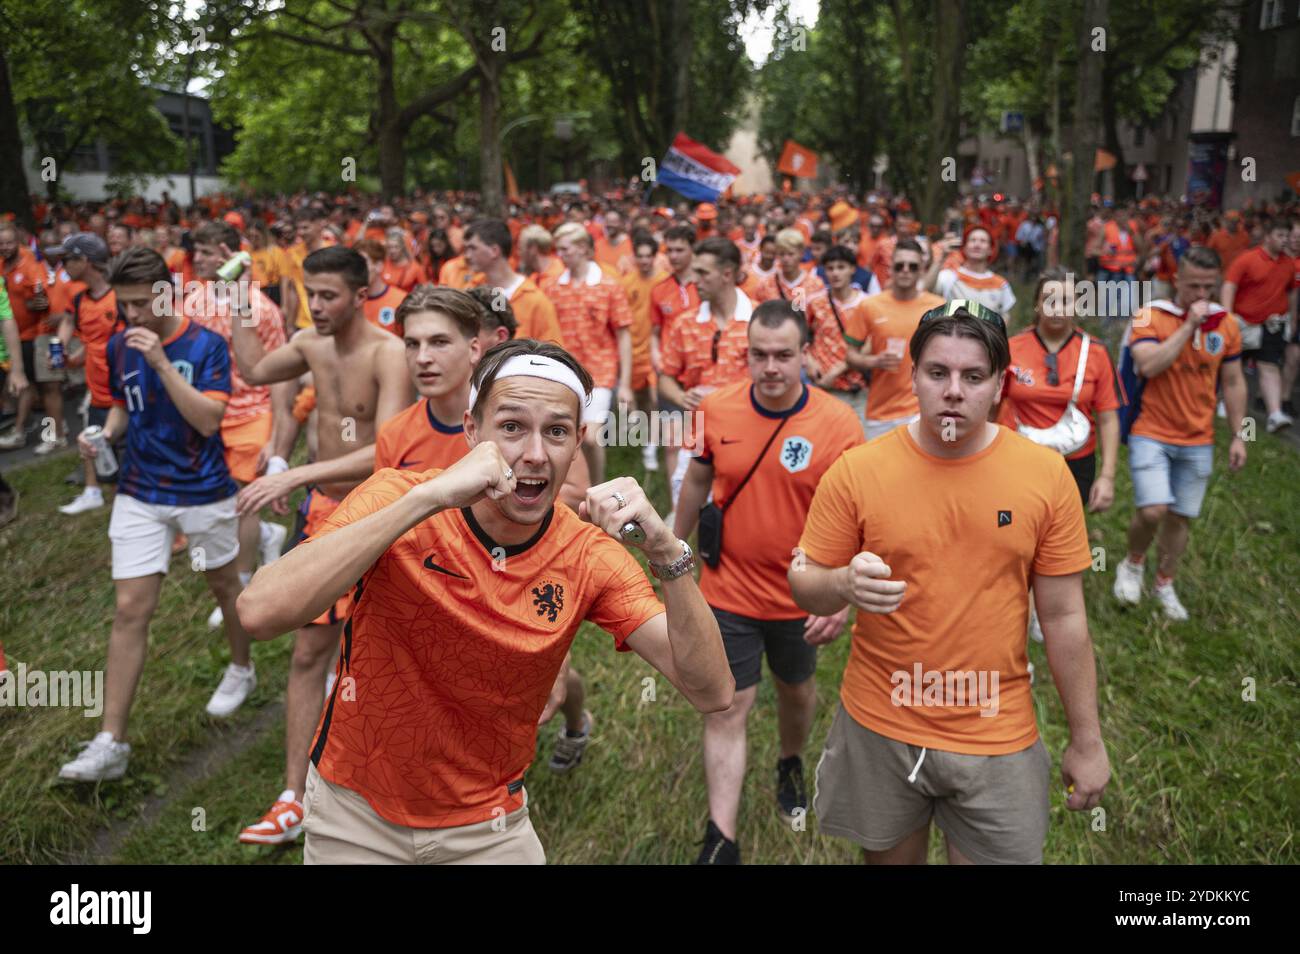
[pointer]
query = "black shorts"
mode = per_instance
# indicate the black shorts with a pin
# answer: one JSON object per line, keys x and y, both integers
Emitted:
{"x": 1084, "y": 470}
{"x": 29, "y": 360}
{"x": 746, "y": 640}
{"x": 97, "y": 416}
{"x": 1272, "y": 347}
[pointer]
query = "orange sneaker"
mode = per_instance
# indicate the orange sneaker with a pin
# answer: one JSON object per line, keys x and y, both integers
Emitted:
{"x": 279, "y": 826}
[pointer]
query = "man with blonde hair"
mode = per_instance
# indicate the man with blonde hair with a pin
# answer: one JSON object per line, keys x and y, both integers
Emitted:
{"x": 595, "y": 322}
{"x": 536, "y": 257}
{"x": 790, "y": 280}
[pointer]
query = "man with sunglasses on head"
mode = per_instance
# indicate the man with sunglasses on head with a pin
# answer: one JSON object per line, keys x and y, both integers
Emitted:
{"x": 936, "y": 532}
{"x": 877, "y": 336}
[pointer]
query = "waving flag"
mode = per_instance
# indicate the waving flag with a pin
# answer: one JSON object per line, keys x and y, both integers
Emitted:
{"x": 695, "y": 170}
{"x": 797, "y": 160}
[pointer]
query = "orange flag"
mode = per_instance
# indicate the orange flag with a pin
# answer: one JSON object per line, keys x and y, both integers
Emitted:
{"x": 512, "y": 187}
{"x": 1104, "y": 160}
{"x": 797, "y": 161}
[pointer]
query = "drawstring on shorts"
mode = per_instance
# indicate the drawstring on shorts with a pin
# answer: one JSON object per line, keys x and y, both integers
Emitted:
{"x": 917, "y": 767}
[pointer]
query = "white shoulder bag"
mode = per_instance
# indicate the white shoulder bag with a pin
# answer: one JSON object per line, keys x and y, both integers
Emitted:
{"x": 1071, "y": 432}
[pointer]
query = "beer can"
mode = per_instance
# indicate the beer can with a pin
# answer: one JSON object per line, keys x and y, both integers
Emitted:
{"x": 235, "y": 267}
{"x": 57, "y": 360}
{"x": 105, "y": 459}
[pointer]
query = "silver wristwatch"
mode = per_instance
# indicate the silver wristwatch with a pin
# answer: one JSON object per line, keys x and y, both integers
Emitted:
{"x": 682, "y": 565}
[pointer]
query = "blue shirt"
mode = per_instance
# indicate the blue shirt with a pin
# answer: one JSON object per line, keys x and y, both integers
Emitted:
{"x": 166, "y": 460}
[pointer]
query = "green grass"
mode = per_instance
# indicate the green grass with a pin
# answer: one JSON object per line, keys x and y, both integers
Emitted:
{"x": 1199, "y": 775}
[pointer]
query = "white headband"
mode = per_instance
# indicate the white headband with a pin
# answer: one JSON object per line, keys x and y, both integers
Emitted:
{"x": 538, "y": 366}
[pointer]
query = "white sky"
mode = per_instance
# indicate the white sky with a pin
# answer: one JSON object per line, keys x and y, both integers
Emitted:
{"x": 757, "y": 30}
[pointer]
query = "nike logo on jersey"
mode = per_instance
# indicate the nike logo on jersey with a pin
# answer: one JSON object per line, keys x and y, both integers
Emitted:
{"x": 403, "y": 464}
{"x": 734, "y": 440}
{"x": 129, "y": 375}
{"x": 430, "y": 565}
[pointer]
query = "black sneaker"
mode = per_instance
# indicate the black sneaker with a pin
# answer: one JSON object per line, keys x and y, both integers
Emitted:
{"x": 791, "y": 795}
{"x": 718, "y": 848}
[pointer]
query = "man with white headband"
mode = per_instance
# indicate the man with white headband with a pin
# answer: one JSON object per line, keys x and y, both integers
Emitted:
{"x": 469, "y": 588}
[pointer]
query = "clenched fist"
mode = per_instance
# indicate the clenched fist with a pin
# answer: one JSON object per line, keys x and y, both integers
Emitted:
{"x": 483, "y": 472}
{"x": 866, "y": 585}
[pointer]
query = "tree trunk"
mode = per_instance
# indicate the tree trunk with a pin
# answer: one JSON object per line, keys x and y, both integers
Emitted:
{"x": 1029, "y": 139}
{"x": 489, "y": 122}
{"x": 1110, "y": 129}
{"x": 392, "y": 135}
{"x": 13, "y": 177}
{"x": 683, "y": 47}
{"x": 945, "y": 115}
{"x": 1087, "y": 137}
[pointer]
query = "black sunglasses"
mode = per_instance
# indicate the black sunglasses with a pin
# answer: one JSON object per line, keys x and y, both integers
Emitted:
{"x": 907, "y": 266}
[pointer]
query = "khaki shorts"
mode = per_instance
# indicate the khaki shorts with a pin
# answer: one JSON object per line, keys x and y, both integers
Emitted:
{"x": 342, "y": 829}
{"x": 877, "y": 791}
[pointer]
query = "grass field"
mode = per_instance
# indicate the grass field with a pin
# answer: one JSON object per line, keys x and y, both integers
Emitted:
{"x": 1199, "y": 774}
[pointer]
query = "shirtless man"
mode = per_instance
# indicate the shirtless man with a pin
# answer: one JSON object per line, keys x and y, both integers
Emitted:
{"x": 359, "y": 371}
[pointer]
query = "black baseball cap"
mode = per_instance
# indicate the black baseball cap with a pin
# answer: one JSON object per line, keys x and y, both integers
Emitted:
{"x": 86, "y": 245}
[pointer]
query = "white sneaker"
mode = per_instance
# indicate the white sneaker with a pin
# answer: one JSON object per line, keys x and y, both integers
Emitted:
{"x": 14, "y": 440}
{"x": 1128, "y": 582}
{"x": 216, "y": 618}
{"x": 235, "y": 686}
{"x": 1221, "y": 411}
{"x": 1276, "y": 421}
{"x": 650, "y": 457}
{"x": 271, "y": 543}
{"x": 1170, "y": 603}
{"x": 1035, "y": 630}
{"x": 92, "y": 498}
{"x": 102, "y": 759}
{"x": 49, "y": 447}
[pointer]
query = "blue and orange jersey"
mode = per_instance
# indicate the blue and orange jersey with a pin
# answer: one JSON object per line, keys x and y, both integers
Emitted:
{"x": 167, "y": 461}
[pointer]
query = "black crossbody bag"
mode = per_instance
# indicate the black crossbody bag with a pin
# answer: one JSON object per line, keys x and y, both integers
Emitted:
{"x": 708, "y": 539}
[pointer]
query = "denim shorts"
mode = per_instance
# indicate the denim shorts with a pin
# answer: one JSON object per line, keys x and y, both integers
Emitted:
{"x": 1169, "y": 474}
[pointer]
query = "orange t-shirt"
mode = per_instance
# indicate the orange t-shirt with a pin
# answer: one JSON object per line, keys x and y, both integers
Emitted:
{"x": 798, "y": 292}
{"x": 452, "y": 648}
{"x": 966, "y": 535}
{"x": 1030, "y": 400}
{"x": 638, "y": 301}
{"x": 669, "y": 299}
{"x": 381, "y": 309}
{"x": 1263, "y": 285}
{"x": 828, "y": 320}
{"x": 763, "y": 526}
{"x": 880, "y": 318}
{"x": 697, "y": 352}
{"x": 246, "y": 400}
{"x": 455, "y": 273}
{"x": 1178, "y": 403}
{"x": 414, "y": 439}
{"x": 1229, "y": 245}
{"x": 20, "y": 277}
{"x": 534, "y": 313}
{"x": 404, "y": 276}
{"x": 610, "y": 255}
{"x": 96, "y": 322}
{"x": 591, "y": 310}
{"x": 61, "y": 295}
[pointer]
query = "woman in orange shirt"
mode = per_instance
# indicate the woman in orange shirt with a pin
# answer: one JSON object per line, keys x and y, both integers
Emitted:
{"x": 1040, "y": 381}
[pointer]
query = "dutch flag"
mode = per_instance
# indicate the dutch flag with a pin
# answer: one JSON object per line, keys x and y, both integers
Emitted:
{"x": 695, "y": 170}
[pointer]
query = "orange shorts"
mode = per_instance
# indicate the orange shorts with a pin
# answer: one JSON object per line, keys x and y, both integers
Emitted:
{"x": 244, "y": 440}
{"x": 643, "y": 374}
{"x": 316, "y": 509}
{"x": 304, "y": 404}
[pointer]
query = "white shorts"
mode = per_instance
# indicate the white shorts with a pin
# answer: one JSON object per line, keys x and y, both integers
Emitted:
{"x": 597, "y": 409}
{"x": 142, "y": 535}
{"x": 877, "y": 428}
